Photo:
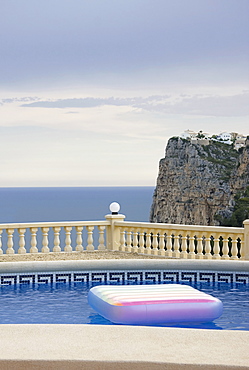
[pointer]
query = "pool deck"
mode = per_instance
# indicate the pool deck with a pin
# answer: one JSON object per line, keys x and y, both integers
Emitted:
{"x": 71, "y": 347}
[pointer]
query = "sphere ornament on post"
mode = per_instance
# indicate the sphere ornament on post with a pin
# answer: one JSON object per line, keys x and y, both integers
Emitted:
{"x": 113, "y": 227}
{"x": 114, "y": 208}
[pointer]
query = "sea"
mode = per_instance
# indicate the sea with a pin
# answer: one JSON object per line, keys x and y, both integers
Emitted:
{"x": 45, "y": 204}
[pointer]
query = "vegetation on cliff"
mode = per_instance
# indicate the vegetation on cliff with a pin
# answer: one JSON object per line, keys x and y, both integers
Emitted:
{"x": 221, "y": 154}
{"x": 240, "y": 211}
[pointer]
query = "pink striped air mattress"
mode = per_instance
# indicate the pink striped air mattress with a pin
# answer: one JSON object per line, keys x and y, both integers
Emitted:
{"x": 153, "y": 304}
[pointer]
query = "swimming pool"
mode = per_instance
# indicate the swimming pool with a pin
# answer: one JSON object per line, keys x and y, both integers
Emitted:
{"x": 65, "y": 303}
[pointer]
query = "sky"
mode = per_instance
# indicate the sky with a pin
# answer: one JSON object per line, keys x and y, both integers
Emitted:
{"x": 90, "y": 91}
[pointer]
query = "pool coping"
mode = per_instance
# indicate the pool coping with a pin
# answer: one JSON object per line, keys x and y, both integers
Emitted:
{"x": 124, "y": 264}
{"x": 121, "y": 347}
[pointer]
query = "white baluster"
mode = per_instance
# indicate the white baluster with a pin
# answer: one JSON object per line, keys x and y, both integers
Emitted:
{"x": 216, "y": 247}
{"x": 101, "y": 246}
{"x": 10, "y": 249}
{"x": 135, "y": 242}
{"x": 122, "y": 240}
{"x": 141, "y": 242}
{"x": 242, "y": 248}
{"x": 148, "y": 242}
{"x": 33, "y": 241}
{"x": 184, "y": 246}
{"x": 225, "y": 248}
{"x": 128, "y": 241}
{"x": 56, "y": 247}
{"x": 169, "y": 245}
{"x": 79, "y": 246}
{"x": 1, "y": 251}
{"x": 191, "y": 254}
{"x": 161, "y": 251}
{"x": 199, "y": 246}
{"x": 90, "y": 246}
{"x": 176, "y": 252}
{"x": 45, "y": 231}
{"x": 21, "y": 249}
{"x": 208, "y": 254}
{"x": 234, "y": 249}
{"x": 154, "y": 250}
{"x": 68, "y": 247}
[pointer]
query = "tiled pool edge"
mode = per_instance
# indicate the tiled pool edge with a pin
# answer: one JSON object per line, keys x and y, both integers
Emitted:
{"x": 136, "y": 271}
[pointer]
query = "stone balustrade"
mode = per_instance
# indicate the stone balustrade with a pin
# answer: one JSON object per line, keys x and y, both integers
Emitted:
{"x": 164, "y": 240}
{"x": 185, "y": 241}
{"x": 48, "y": 237}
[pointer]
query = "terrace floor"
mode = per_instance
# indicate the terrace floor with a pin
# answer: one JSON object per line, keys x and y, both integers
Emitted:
{"x": 96, "y": 255}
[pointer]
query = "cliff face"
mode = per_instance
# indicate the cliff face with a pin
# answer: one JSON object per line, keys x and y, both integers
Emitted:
{"x": 198, "y": 182}
{"x": 240, "y": 177}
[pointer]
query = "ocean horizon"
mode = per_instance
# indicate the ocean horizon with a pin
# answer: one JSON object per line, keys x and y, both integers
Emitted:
{"x": 40, "y": 204}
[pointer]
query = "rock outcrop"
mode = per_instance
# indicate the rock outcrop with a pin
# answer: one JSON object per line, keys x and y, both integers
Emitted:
{"x": 196, "y": 183}
{"x": 240, "y": 177}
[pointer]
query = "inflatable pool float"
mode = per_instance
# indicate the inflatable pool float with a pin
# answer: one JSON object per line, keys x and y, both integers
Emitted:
{"x": 153, "y": 304}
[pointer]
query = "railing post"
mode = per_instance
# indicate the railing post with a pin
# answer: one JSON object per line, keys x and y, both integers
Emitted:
{"x": 246, "y": 239}
{"x": 113, "y": 232}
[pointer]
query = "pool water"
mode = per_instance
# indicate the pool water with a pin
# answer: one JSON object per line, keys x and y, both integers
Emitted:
{"x": 67, "y": 304}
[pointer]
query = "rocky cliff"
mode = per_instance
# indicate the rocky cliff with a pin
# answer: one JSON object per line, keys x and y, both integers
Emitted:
{"x": 197, "y": 184}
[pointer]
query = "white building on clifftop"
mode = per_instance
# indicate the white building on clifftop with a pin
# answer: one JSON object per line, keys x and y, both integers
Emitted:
{"x": 188, "y": 134}
{"x": 225, "y": 137}
{"x": 204, "y": 138}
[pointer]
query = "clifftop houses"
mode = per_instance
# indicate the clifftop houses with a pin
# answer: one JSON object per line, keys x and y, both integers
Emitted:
{"x": 203, "y": 138}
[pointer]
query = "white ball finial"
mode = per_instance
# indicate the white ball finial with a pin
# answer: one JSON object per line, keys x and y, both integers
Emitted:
{"x": 114, "y": 208}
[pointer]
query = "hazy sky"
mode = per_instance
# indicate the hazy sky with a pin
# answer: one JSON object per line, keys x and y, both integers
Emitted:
{"x": 90, "y": 91}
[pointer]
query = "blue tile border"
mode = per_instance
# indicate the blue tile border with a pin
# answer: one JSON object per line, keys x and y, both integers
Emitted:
{"x": 135, "y": 276}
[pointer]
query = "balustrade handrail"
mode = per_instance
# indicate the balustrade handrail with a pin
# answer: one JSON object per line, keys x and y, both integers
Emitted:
{"x": 52, "y": 224}
{"x": 201, "y": 228}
